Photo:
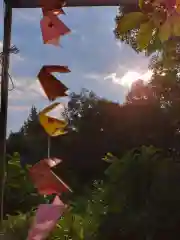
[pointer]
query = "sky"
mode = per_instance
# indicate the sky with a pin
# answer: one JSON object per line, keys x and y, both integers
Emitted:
{"x": 96, "y": 59}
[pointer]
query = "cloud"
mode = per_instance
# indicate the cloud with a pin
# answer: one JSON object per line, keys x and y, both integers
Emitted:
{"x": 94, "y": 76}
{"x": 129, "y": 77}
{"x": 26, "y": 89}
{"x": 119, "y": 44}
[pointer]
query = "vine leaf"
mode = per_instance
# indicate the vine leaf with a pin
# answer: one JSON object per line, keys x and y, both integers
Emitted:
{"x": 145, "y": 34}
{"x": 178, "y": 6}
{"x": 176, "y": 25}
{"x": 130, "y": 21}
{"x": 141, "y": 3}
{"x": 165, "y": 31}
{"x": 154, "y": 46}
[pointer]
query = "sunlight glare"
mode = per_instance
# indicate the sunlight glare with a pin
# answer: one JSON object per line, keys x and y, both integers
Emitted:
{"x": 129, "y": 78}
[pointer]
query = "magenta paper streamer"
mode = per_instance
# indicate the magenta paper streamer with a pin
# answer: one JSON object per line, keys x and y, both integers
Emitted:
{"x": 46, "y": 218}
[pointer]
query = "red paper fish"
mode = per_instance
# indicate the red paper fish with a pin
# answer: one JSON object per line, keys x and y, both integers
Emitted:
{"x": 46, "y": 218}
{"x": 52, "y": 87}
{"x": 52, "y": 28}
{"x": 46, "y": 181}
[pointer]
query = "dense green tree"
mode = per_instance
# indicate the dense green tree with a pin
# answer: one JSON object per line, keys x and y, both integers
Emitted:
{"x": 20, "y": 193}
{"x": 98, "y": 126}
{"x": 139, "y": 198}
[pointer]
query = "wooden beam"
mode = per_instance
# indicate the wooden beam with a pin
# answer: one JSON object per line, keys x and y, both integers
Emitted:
{"x": 4, "y": 104}
{"x": 70, "y": 3}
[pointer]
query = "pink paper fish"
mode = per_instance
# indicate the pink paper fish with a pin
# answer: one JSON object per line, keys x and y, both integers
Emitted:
{"x": 46, "y": 218}
{"x": 52, "y": 29}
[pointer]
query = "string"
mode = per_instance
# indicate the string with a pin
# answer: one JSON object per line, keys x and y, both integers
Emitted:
{"x": 13, "y": 50}
{"x": 49, "y": 146}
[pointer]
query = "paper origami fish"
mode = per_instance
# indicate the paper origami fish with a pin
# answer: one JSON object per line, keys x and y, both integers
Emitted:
{"x": 46, "y": 181}
{"x": 52, "y": 162}
{"x": 53, "y": 3}
{"x": 52, "y": 28}
{"x": 46, "y": 218}
{"x": 53, "y": 126}
{"x": 51, "y": 86}
{"x": 56, "y": 12}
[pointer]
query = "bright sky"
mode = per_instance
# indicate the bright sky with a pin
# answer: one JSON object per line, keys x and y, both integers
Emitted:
{"x": 97, "y": 61}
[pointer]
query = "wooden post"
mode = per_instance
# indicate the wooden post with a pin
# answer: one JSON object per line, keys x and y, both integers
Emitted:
{"x": 70, "y": 3}
{"x": 4, "y": 102}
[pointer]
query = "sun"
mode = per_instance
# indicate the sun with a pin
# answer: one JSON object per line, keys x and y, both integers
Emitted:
{"x": 130, "y": 77}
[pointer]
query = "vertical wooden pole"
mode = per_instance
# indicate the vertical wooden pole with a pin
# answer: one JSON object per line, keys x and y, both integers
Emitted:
{"x": 4, "y": 102}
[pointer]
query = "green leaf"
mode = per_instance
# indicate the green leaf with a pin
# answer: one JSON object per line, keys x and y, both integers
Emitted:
{"x": 141, "y": 3}
{"x": 154, "y": 46}
{"x": 176, "y": 25}
{"x": 178, "y": 6}
{"x": 165, "y": 31}
{"x": 130, "y": 21}
{"x": 145, "y": 35}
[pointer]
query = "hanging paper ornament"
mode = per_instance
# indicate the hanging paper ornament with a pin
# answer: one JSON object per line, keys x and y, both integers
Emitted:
{"x": 56, "y": 12}
{"x": 46, "y": 218}
{"x": 52, "y": 162}
{"x": 57, "y": 68}
{"x": 45, "y": 180}
{"x": 52, "y": 4}
{"x": 52, "y": 28}
{"x": 53, "y": 126}
{"x": 51, "y": 86}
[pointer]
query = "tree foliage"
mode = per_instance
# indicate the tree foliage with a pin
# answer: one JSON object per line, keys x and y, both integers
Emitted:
{"x": 139, "y": 199}
{"x": 134, "y": 193}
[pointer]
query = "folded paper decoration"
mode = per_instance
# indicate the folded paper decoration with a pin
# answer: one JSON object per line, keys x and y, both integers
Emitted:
{"x": 46, "y": 218}
{"x": 53, "y": 3}
{"x": 45, "y": 180}
{"x": 52, "y": 162}
{"x": 56, "y": 12}
{"x": 53, "y": 126}
{"x": 52, "y": 28}
{"x": 51, "y": 86}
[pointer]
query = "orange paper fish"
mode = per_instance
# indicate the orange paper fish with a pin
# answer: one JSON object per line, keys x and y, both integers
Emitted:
{"x": 53, "y": 126}
{"x": 52, "y": 29}
{"x": 51, "y": 86}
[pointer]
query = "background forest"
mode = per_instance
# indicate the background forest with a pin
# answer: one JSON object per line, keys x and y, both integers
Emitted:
{"x": 122, "y": 161}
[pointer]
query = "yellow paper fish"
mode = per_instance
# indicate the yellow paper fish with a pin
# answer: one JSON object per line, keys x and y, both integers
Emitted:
{"x": 53, "y": 126}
